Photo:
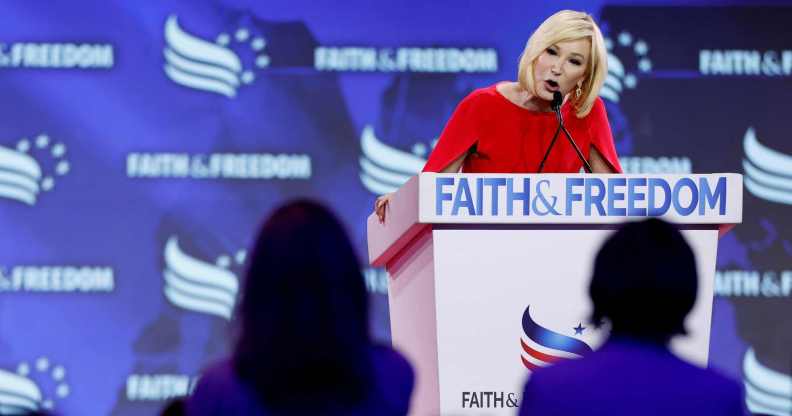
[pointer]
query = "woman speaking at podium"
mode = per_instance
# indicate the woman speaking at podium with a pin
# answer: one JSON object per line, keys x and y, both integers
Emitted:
{"x": 509, "y": 127}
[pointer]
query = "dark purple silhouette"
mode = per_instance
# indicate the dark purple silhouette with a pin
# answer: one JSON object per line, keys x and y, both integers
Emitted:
{"x": 304, "y": 345}
{"x": 644, "y": 283}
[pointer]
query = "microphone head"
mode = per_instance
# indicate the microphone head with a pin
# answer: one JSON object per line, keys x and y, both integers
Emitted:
{"x": 557, "y": 98}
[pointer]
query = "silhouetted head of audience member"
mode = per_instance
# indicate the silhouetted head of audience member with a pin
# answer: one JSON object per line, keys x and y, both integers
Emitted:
{"x": 644, "y": 281}
{"x": 303, "y": 312}
{"x": 174, "y": 407}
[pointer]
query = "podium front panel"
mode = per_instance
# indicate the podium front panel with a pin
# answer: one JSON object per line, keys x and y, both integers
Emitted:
{"x": 510, "y": 300}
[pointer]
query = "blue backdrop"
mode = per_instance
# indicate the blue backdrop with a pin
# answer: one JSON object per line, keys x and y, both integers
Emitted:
{"x": 143, "y": 142}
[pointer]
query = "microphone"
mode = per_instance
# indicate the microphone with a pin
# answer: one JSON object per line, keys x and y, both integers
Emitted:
{"x": 556, "y": 106}
{"x": 557, "y": 99}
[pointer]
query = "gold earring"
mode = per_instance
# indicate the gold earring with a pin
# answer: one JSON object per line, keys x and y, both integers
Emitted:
{"x": 578, "y": 92}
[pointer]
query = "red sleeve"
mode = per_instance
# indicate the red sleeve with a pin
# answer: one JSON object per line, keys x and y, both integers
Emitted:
{"x": 601, "y": 136}
{"x": 459, "y": 135}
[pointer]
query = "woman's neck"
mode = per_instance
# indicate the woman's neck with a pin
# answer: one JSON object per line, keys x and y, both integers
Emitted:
{"x": 521, "y": 97}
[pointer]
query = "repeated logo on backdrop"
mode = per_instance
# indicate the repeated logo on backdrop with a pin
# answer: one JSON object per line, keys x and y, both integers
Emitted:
{"x": 620, "y": 77}
{"x": 22, "y": 177}
{"x": 57, "y": 279}
{"x": 32, "y": 387}
{"x": 196, "y": 285}
{"x": 766, "y": 391}
{"x": 745, "y": 62}
{"x": 768, "y": 173}
{"x": 57, "y": 55}
{"x": 219, "y": 166}
{"x": 211, "y": 66}
{"x": 211, "y": 113}
{"x": 383, "y": 169}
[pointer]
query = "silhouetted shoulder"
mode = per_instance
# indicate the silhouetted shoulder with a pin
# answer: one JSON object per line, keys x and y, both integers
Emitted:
{"x": 712, "y": 378}
{"x": 621, "y": 377}
{"x": 219, "y": 391}
{"x": 394, "y": 377}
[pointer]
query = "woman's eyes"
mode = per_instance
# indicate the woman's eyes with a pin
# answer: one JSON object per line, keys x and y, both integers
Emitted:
{"x": 576, "y": 62}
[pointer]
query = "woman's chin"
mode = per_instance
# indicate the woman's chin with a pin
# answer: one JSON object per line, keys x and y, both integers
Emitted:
{"x": 546, "y": 95}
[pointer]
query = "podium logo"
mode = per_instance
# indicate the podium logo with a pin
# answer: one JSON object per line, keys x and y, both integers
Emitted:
{"x": 210, "y": 66}
{"x": 542, "y": 347}
{"x": 504, "y": 196}
{"x": 199, "y": 286}
{"x": 20, "y": 394}
{"x": 22, "y": 178}
{"x": 768, "y": 172}
{"x": 767, "y": 391}
{"x": 383, "y": 169}
{"x": 489, "y": 400}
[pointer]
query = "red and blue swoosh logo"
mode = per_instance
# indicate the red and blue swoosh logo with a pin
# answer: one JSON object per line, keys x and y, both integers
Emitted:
{"x": 542, "y": 347}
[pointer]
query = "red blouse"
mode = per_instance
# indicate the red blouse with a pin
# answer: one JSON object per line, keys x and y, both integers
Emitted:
{"x": 511, "y": 139}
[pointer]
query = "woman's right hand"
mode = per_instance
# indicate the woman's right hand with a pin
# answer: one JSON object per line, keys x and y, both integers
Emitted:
{"x": 381, "y": 205}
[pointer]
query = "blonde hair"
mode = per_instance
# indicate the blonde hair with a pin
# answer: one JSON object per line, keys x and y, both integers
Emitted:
{"x": 568, "y": 25}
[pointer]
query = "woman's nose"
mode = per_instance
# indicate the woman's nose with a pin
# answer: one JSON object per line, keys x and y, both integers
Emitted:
{"x": 556, "y": 68}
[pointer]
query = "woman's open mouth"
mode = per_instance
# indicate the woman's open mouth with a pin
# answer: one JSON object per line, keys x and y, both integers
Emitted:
{"x": 551, "y": 85}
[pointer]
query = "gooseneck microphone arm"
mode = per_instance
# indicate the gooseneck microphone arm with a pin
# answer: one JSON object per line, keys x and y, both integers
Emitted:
{"x": 556, "y": 106}
{"x": 574, "y": 145}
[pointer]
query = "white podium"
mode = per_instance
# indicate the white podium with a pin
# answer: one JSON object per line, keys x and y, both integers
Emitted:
{"x": 489, "y": 272}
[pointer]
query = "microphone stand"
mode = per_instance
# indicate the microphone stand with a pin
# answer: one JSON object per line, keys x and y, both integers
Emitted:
{"x": 552, "y": 142}
{"x": 556, "y": 105}
{"x": 572, "y": 142}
